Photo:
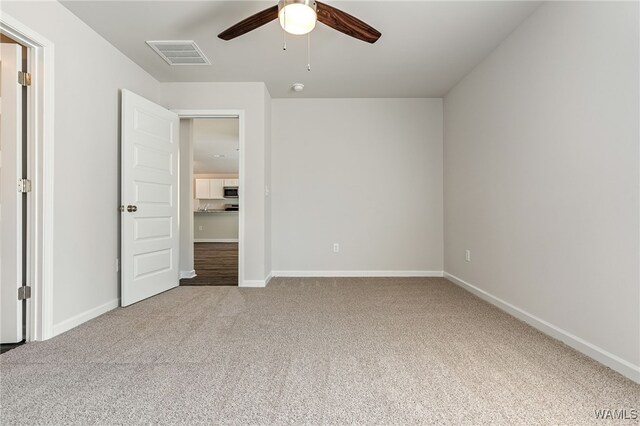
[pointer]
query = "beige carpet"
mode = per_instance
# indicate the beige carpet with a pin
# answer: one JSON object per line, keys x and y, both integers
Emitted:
{"x": 309, "y": 351}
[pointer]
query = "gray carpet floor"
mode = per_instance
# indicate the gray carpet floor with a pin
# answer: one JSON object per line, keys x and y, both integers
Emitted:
{"x": 308, "y": 351}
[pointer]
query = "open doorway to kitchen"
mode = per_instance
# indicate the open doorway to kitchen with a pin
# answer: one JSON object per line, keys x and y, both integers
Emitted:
{"x": 215, "y": 189}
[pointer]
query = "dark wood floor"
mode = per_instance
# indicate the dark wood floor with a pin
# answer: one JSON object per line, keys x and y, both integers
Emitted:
{"x": 6, "y": 347}
{"x": 215, "y": 263}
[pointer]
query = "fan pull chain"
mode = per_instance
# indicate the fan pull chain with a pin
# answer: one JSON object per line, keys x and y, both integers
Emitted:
{"x": 308, "y": 51}
{"x": 284, "y": 30}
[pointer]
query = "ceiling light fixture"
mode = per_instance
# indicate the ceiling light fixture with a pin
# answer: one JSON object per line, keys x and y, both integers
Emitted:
{"x": 219, "y": 156}
{"x": 297, "y": 17}
{"x": 298, "y": 87}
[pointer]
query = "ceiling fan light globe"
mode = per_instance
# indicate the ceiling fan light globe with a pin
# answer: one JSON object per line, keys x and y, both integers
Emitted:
{"x": 297, "y": 17}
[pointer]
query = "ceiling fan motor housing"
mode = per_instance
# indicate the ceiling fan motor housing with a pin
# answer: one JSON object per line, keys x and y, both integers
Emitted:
{"x": 309, "y": 3}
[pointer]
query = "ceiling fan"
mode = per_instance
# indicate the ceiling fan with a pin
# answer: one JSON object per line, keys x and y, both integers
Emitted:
{"x": 299, "y": 17}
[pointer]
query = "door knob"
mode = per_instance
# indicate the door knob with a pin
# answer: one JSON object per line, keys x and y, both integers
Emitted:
{"x": 132, "y": 209}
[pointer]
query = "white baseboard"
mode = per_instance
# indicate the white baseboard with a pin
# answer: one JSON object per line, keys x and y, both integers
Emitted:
{"x": 256, "y": 283}
{"x": 612, "y": 361}
{"x": 357, "y": 273}
{"x": 83, "y": 317}
{"x": 188, "y": 274}
{"x": 215, "y": 240}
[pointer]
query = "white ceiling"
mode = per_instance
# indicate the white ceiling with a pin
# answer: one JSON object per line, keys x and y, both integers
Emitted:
{"x": 425, "y": 49}
{"x": 215, "y": 136}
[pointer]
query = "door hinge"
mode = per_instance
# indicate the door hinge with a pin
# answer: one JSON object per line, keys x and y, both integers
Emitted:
{"x": 24, "y": 185}
{"x": 24, "y": 292}
{"x": 24, "y": 78}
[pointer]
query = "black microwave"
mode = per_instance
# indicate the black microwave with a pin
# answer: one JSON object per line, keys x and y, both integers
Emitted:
{"x": 231, "y": 193}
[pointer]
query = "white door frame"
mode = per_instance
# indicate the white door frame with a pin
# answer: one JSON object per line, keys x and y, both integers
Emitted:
{"x": 40, "y": 136}
{"x": 221, "y": 113}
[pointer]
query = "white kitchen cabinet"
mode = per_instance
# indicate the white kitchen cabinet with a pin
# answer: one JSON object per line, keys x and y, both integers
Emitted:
{"x": 231, "y": 183}
{"x": 216, "y": 189}
{"x": 210, "y": 189}
{"x": 202, "y": 188}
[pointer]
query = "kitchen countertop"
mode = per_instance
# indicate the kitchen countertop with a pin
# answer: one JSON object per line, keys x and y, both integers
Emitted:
{"x": 216, "y": 211}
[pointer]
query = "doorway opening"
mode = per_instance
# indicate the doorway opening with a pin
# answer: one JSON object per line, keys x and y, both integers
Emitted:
{"x": 213, "y": 219}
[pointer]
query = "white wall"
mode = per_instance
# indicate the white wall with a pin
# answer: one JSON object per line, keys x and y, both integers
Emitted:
{"x": 249, "y": 97}
{"x": 541, "y": 176}
{"x": 364, "y": 173}
{"x": 89, "y": 72}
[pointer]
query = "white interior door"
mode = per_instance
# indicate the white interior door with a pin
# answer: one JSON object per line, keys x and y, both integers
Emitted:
{"x": 150, "y": 237}
{"x": 10, "y": 199}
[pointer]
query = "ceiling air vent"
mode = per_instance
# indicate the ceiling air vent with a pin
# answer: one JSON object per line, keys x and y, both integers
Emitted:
{"x": 179, "y": 52}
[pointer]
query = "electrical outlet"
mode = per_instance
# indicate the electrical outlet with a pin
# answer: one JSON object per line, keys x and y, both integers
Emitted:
{"x": 467, "y": 255}
{"x": 336, "y": 248}
{"x": 200, "y": 228}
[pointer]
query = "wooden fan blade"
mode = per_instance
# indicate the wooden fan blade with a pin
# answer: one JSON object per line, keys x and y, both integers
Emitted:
{"x": 250, "y": 24}
{"x": 345, "y": 23}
